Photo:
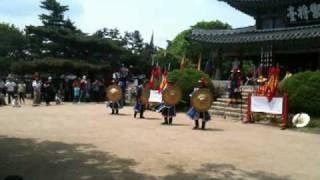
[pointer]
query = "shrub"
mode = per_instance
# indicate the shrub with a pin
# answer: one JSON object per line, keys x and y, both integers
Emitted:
{"x": 187, "y": 80}
{"x": 4, "y": 64}
{"x": 57, "y": 66}
{"x": 303, "y": 92}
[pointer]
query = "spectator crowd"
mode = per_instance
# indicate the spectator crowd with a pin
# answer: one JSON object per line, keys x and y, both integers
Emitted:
{"x": 14, "y": 90}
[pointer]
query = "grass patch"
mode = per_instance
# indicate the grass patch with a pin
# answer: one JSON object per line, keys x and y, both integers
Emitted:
{"x": 313, "y": 126}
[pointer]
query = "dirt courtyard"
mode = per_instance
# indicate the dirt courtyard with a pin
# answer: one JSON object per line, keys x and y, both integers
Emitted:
{"x": 83, "y": 141}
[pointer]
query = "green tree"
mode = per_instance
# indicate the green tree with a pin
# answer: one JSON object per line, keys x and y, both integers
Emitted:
{"x": 60, "y": 38}
{"x": 134, "y": 42}
{"x": 181, "y": 45}
{"x": 187, "y": 80}
{"x": 55, "y": 17}
{"x": 49, "y": 39}
{"x": 166, "y": 59}
{"x": 12, "y": 42}
{"x": 113, "y": 34}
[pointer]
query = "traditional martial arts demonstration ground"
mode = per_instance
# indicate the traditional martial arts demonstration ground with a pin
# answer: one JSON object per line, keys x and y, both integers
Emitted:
{"x": 75, "y": 142}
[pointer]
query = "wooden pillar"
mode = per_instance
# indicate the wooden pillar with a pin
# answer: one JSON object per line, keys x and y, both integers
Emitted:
{"x": 240, "y": 58}
{"x": 212, "y": 58}
{"x": 218, "y": 64}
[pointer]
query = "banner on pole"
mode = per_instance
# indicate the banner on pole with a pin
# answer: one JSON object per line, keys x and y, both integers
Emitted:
{"x": 262, "y": 105}
{"x": 155, "y": 96}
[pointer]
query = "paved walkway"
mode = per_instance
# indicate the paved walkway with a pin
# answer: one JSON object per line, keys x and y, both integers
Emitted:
{"x": 84, "y": 141}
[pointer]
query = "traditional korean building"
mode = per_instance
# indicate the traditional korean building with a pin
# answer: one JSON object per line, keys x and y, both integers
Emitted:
{"x": 286, "y": 32}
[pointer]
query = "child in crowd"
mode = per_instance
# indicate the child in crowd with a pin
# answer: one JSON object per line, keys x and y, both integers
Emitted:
{"x": 76, "y": 91}
{"x": 22, "y": 91}
{"x": 58, "y": 97}
{"x": 15, "y": 102}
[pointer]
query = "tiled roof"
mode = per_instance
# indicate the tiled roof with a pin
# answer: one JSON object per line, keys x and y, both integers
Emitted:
{"x": 252, "y": 35}
{"x": 266, "y": 1}
{"x": 254, "y": 7}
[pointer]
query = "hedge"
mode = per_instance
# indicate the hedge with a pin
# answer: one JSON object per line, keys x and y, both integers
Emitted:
{"x": 57, "y": 66}
{"x": 303, "y": 92}
{"x": 187, "y": 80}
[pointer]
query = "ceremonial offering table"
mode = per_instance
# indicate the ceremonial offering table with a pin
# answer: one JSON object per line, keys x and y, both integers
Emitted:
{"x": 261, "y": 104}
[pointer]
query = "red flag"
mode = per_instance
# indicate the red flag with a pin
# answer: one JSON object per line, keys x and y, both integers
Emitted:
{"x": 164, "y": 83}
{"x": 156, "y": 72}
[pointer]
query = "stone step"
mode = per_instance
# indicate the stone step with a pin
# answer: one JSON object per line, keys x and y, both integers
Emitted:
{"x": 227, "y": 97}
{"x": 227, "y": 93}
{"x": 224, "y": 104}
{"x": 248, "y": 88}
{"x": 228, "y": 109}
{"x": 244, "y": 91}
{"x": 216, "y": 113}
{"x": 228, "y": 114}
{"x": 228, "y": 100}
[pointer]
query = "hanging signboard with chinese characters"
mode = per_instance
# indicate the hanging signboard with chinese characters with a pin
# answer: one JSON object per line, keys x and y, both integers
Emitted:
{"x": 304, "y": 13}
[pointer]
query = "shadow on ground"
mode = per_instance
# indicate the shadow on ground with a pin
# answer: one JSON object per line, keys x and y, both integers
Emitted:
{"x": 221, "y": 171}
{"x": 58, "y": 161}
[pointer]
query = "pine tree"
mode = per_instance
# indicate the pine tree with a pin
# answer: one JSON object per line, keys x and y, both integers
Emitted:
{"x": 55, "y": 17}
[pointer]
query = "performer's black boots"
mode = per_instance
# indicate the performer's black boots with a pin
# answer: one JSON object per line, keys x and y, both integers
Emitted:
{"x": 170, "y": 120}
{"x": 115, "y": 111}
{"x": 203, "y": 127}
{"x": 196, "y": 124}
{"x": 165, "y": 121}
{"x": 141, "y": 114}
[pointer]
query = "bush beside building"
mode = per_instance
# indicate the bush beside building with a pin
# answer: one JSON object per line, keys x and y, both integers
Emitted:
{"x": 303, "y": 92}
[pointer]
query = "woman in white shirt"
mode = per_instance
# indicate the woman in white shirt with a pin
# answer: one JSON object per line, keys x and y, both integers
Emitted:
{"x": 11, "y": 87}
{"x": 36, "y": 84}
{"x": 22, "y": 91}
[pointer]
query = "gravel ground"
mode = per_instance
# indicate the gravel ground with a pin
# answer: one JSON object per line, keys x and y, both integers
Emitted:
{"x": 84, "y": 141}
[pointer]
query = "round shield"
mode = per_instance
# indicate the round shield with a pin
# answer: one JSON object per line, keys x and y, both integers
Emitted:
{"x": 145, "y": 95}
{"x": 114, "y": 93}
{"x": 301, "y": 120}
{"x": 172, "y": 95}
{"x": 202, "y": 99}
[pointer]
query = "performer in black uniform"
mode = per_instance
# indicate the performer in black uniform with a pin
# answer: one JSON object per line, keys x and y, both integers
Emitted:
{"x": 139, "y": 106}
{"x": 195, "y": 115}
{"x": 167, "y": 111}
{"x": 114, "y": 105}
{"x": 48, "y": 91}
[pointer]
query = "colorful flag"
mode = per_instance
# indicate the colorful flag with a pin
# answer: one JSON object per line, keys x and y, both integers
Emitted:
{"x": 157, "y": 71}
{"x": 164, "y": 82}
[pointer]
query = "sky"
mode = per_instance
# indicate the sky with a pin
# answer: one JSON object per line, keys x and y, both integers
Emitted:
{"x": 165, "y": 18}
